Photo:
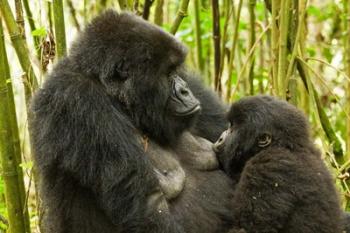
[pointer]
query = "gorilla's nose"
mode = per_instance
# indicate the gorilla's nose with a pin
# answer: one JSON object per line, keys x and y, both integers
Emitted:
{"x": 219, "y": 144}
{"x": 184, "y": 91}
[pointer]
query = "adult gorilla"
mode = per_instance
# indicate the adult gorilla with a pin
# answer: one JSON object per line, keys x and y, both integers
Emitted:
{"x": 111, "y": 135}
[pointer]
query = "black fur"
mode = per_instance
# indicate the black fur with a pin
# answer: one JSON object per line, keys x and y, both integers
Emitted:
{"x": 284, "y": 186}
{"x": 110, "y": 90}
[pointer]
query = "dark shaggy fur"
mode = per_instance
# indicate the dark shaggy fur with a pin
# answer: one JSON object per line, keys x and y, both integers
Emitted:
{"x": 284, "y": 186}
{"x": 112, "y": 88}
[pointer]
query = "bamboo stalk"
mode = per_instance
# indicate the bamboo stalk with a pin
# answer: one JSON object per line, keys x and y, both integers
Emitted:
{"x": 198, "y": 34}
{"x": 147, "y": 9}
{"x": 216, "y": 39}
{"x": 8, "y": 162}
{"x": 292, "y": 87}
{"x": 14, "y": 125}
{"x": 275, "y": 6}
{"x": 347, "y": 65}
{"x": 283, "y": 50}
{"x": 297, "y": 38}
{"x": 158, "y": 14}
{"x": 180, "y": 15}
{"x": 19, "y": 17}
{"x": 252, "y": 21}
{"x": 303, "y": 69}
{"x": 233, "y": 50}
{"x": 229, "y": 9}
{"x": 30, "y": 83}
{"x": 243, "y": 68}
{"x": 60, "y": 32}
{"x": 29, "y": 15}
{"x": 49, "y": 16}
{"x": 32, "y": 27}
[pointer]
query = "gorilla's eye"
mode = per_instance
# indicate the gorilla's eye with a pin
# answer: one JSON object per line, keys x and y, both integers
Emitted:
{"x": 121, "y": 75}
{"x": 171, "y": 70}
{"x": 264, "y": 140}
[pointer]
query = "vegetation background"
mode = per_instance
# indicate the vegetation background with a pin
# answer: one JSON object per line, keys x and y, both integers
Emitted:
{"x": 298, "y": 50}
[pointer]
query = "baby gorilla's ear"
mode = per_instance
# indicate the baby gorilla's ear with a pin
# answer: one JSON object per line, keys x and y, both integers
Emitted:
{"x": 264, "y": 140}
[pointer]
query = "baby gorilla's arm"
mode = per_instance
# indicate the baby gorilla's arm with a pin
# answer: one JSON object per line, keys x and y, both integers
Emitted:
{"x": 263, "y": 198}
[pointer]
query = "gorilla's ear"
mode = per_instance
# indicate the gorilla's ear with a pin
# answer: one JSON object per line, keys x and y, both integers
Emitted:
{"x": 264, "y": 140}
{"x": 113, "y": 73}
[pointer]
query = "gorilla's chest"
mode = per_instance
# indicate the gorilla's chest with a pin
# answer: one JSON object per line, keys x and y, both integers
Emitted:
{"x": 197, "y": 193}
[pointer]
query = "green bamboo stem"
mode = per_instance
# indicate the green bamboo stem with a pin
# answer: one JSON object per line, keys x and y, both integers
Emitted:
{"x": 347, "y": 65}
{"x": 8, "y": 162}
{"x": 32, "y": 27}
{"x": 228, "y": 9}
{"x": 180, "y": 15}
{"x": 198, "y": 34}
{"x": 292, "y": 86}
{"x": 19, "y": 17}
{"x": 216, "y": 40}
{"x": 283, "y": 49}
{"x": 233, "y": 50}
{"x": 333, "y": 139}
{"x": 302, "y": 11}
{"x": 14, "y": 125}
{"x": 158, "y": 14}
{"x": 275, "y": 6}
{"x": 292, "y": 90}
{"x": 19, "y": 43}
{"x": 49, "y": 15}
{"x": 60, "y": 32}
{"x": 321, "y": 116}
{"x": 248, "y": 58}
{"x": 252, "y": 37}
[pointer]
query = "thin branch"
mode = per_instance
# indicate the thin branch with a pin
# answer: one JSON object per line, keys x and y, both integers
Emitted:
{"x": 233, "y": 50}
{"x": 181, "y": 14}
{"x": 251, "y": 52}
{"x": 73, "y": 14}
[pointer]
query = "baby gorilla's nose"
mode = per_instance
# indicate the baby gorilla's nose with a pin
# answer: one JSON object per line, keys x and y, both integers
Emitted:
{"x": 219, "y": 144}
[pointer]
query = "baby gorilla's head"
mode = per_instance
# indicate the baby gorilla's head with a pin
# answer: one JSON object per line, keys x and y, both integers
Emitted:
{"x": 257, "y": 123}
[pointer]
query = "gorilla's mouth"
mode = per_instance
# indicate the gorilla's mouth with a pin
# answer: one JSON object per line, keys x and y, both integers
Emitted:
{"x": 191, "y": 111}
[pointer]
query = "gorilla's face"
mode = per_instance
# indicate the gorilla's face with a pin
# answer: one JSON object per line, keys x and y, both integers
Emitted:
{"x": 161, "y": 106}
{"x": 257, "y": 123}
{"x": 142, "y": 68}
{"x": 181, "y": 101}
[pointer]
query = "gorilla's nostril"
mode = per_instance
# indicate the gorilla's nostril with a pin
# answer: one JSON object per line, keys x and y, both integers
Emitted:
{"x": 184, "y": 92}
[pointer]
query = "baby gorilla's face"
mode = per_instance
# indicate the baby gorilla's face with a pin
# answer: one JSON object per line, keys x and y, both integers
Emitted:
{"x": 220, "y": 144}
{"x": 225, "y": 147}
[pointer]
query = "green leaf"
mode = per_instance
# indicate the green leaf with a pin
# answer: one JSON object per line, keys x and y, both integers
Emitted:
{"x": 312, "y": 10}
{"x": 40, "y": 32}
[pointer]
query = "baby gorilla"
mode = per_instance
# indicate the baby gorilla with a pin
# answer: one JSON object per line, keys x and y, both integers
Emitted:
{"x": 283, "y": 184}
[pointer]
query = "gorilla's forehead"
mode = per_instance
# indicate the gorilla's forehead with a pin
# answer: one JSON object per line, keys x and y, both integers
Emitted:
{"x": 126, "y": 30}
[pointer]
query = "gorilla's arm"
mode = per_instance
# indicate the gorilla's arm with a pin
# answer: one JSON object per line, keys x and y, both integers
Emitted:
{"x": 80, "y": 133}
{"x": 211, "y": 121}
{"x": 263, "y": 199}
